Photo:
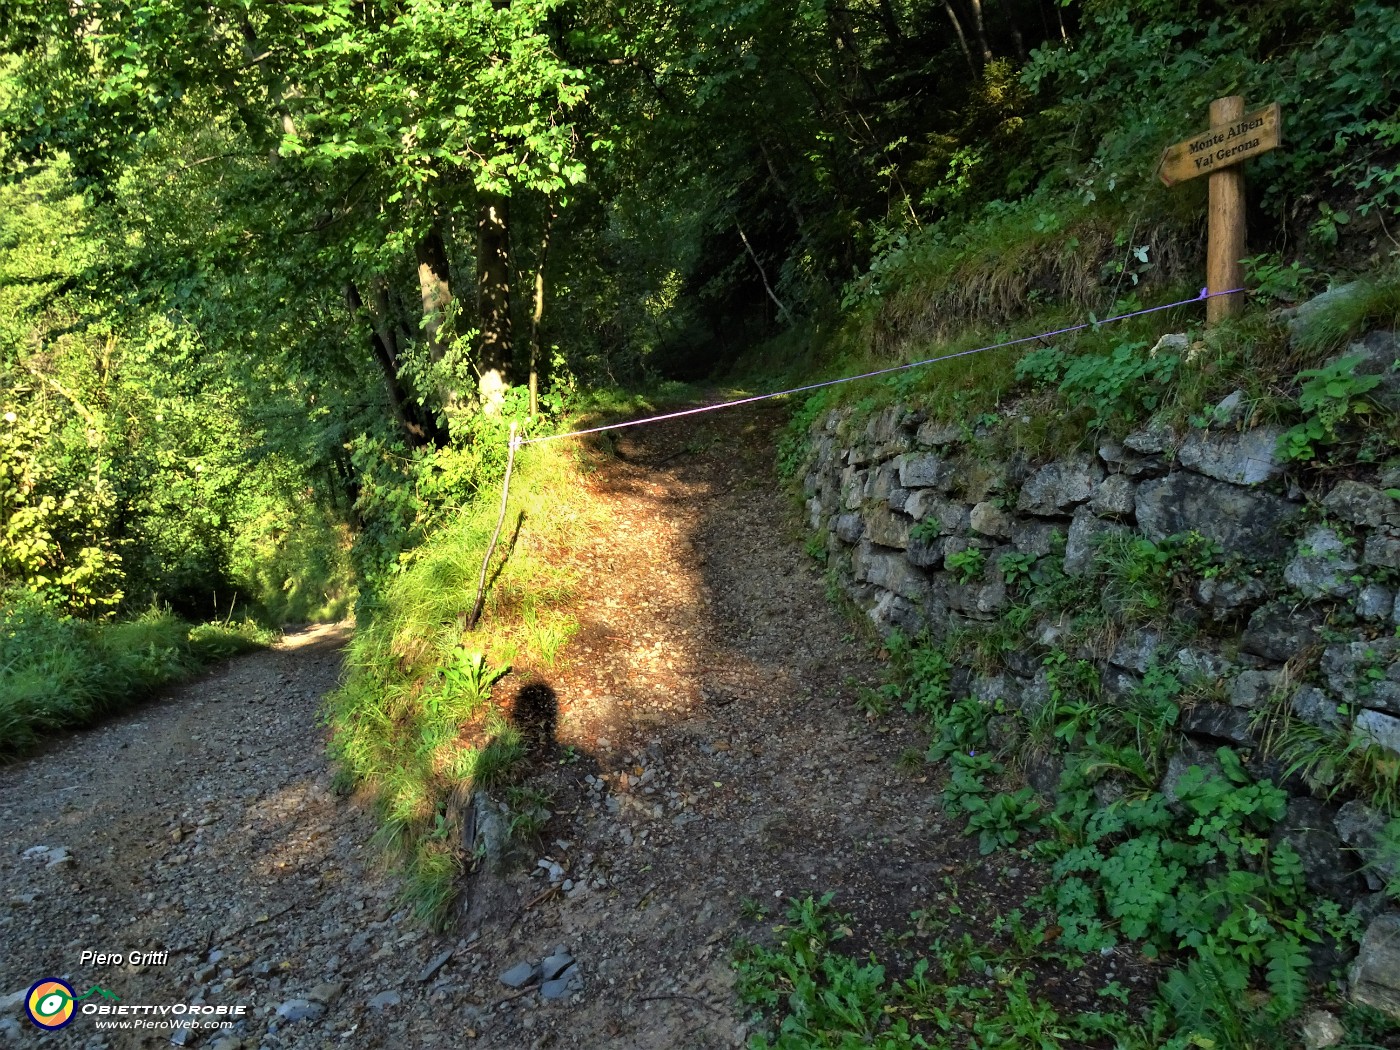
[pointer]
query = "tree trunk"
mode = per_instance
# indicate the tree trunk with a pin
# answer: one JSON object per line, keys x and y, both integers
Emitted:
{"x": 538, "y": 315}
{"x": 979, "y": 27}
{"x": 763, "y": 275}
{"x": 435, "y": 289}
{"x": 435, "y": 286}
{"x": 385, "y": 351}
{"x": 493, "y": 297}
{"x": 962, "y": 37}
{"x": 793, "y": 206}
{"x": 889, "y": 20}
{"x": 423, "y": 426}
{"x": 1016, "y": 39}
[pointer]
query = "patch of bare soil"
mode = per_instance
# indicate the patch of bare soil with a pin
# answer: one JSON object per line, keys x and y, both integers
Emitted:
{"x": 700, "y": 747}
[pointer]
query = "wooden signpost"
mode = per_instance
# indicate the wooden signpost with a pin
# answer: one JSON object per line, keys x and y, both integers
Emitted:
{"x": 1234, "y": 136}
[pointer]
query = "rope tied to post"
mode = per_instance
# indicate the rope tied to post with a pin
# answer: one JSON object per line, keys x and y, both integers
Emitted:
{"x": 517, "y": 442}
{"x": 1204, "y": 295}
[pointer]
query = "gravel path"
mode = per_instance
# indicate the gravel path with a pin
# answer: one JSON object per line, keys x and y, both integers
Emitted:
{"x": 706, "y": 753}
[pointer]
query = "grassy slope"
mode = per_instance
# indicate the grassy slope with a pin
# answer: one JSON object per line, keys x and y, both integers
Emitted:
{"x": 416, "y": 722}
{"x": 59, "y": 672}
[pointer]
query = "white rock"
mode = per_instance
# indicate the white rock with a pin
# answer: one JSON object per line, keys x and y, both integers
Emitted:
{"x": 1321, "y": 1030}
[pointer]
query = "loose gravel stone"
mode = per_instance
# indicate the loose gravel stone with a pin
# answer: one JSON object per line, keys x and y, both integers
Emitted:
{"x": 300, "y": 1010}
{"x": 519, "y": 975}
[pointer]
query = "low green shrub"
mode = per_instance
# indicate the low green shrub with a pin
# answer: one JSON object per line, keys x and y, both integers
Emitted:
{"x": 61, "y": 672}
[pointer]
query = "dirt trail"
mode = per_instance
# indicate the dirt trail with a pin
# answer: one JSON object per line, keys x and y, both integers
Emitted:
{"x": 707, "y": 752}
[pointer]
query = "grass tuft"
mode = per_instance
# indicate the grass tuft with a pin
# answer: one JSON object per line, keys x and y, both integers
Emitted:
{"x": 417, "y": 721}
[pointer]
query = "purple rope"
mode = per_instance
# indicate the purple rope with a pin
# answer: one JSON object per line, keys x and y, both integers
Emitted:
{"x": 878, "y": 372}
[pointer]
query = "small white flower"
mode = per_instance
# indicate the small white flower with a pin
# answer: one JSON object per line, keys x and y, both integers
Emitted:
{"x": 10, "y": 417}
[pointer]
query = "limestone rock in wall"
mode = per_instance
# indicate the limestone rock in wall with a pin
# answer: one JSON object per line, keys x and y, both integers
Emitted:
{"x": 1279, "y": 633}
{"x": 1374, "y": 602}
{"x": 901, "y": 444}
{"x": 1251, "y": 689}
{"x": 1372, "y": 727}
{"x": 1117, "y": 683}
{"x": 1194, "y": 664}
{"x": 1136, "y": 651}
{"x": 1130, "y": 464}
{"x": 890, "y": 572}
{"x": 852, "y": 488}
{"x": 1321, "y": 1030}
{"x": 1365, "y": 673}
{"x": 1313, "y": 706}
{"x": 1152, "y": 440}
{"x": 1043, "y": 773}
{"x": 1191, "y": 754}
{"x": 1308, "y": 826}
{"x": 934, "y": 434}
{"x": 883, "y": 426}
{"x": 1231, "y": 410}
{"x": 922, "y": 470}
{"x": 952, "y": 517}
{"x": 1242, "y": 521}
{"x": 892, "y": 612}
{"x": 1383, "y": 549}
{"x": 1034, "y": 537}
{"x": 926, "y": 552}
{"x": 849, "y": 527}
{"x": 990, "y": 520}
{"x": 1322, "y": 565}
{"x": 1360, "y": 827}
{"x": 1362, "y": 504}
{"x": 1319, "y": 304}
{"x": 991, "y": 688}
{"x": 1086, "y": 533}
{"x": 1224, "y": 595}
{"x": 888, "y": 528}
{"x": 1114, "y": 497}
{"x": 880, "y": 482}
{"x": 1374, "y": 978}
{"x": 958, "y": 544}
{"x": 1035, "y": 694}
{"x": 1057, "y": 488}
{"x": 1219, "y": 722}
{"x": 1247, "y": 458}
{"x": 977, "y": 598}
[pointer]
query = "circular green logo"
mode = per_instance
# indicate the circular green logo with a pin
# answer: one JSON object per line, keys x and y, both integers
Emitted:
{"x": 50, "y": 1003}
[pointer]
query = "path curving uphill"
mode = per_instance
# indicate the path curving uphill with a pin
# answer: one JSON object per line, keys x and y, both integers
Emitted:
{"x": 706, "y": 763}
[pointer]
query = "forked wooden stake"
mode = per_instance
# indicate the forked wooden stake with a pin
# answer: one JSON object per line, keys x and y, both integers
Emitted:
{"x": 495, "y": 536}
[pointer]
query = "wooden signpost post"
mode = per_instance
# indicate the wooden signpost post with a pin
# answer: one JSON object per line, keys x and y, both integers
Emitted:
{"x": 1234, "y": 136}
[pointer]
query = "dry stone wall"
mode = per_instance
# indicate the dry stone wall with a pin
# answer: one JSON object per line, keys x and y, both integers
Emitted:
{"x": 1302, "y": 626}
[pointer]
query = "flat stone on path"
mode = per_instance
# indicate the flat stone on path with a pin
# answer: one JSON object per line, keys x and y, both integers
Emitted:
{"x": 555, "y": 965}
{"x": 519, "y": 975}
{"x": 300, "y": 1010}
{"x": 438, "y": 962}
